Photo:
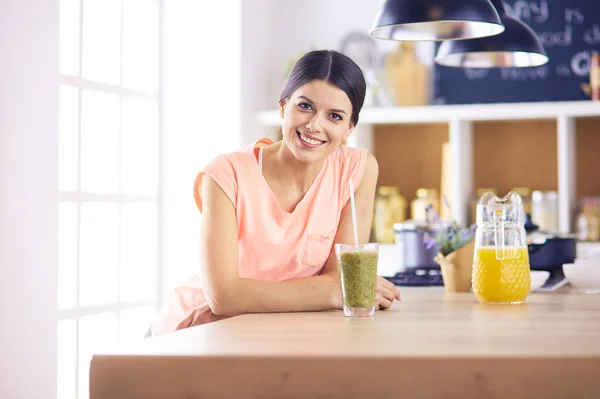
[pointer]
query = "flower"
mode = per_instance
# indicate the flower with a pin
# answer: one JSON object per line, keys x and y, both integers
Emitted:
{"x": 451, "y": 236}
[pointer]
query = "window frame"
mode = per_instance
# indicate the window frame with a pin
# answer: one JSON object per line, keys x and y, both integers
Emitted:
{"x": 78, "y": 197}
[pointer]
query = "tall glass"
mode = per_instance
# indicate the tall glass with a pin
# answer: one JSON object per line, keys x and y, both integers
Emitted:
{"x": 358, "y": 275}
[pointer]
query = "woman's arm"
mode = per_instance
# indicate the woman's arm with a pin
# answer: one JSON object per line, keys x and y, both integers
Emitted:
{"x": 228, "y": 294}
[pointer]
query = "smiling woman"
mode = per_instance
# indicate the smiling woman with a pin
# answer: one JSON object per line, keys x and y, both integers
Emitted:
{"x": 312, "y": 128}
{"x": 333, "y": 68}
{"x": 272, "y": 211}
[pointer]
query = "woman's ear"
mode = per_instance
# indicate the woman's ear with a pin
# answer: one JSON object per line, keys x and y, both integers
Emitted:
{"x": 349, "y": 132}
{"x": 281, "y": 108}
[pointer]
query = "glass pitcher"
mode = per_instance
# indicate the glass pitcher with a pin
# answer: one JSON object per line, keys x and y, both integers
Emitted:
{"x": 501, "y": 272}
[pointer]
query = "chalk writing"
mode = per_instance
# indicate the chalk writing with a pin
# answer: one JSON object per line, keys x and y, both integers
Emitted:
{"x": 476, "y": 73}
{"x": 563, "y": 38}
{"x": 569, "y": 31}
{"x": 439, "y": 101}
{"x": 592, "y": 35}
{"x": 574, "y": 16}
{"x": 536, "y": 10}
{"x": 580, "y": 63}
{"x": 525, "y": 73}
{"x": 563, "y": 70}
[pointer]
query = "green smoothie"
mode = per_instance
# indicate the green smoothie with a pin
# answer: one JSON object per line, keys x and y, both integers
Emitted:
{"x": 359, "y": 278}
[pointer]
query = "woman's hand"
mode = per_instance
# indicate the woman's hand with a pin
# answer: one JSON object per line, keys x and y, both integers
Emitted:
{"x": 337, "y": 302}
{"x": 385, "y": 294}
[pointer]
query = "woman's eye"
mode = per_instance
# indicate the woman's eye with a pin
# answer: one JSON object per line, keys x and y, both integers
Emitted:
{"x": 336, "y": 117}
{"x": 304, "y": 106}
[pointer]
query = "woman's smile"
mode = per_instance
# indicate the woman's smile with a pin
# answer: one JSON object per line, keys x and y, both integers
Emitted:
{"x": 308, "y": 140}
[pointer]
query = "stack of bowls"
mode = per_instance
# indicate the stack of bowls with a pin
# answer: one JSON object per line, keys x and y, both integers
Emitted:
{"x": 584, "y": 275}
{"x": 538, "y": 279}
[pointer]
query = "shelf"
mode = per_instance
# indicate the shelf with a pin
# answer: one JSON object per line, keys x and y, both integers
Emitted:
{"x": 471, "y": 112}
{"x": 559, "y": 160}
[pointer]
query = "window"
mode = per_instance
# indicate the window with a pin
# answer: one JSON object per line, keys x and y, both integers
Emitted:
{"x": 109, "y": 180}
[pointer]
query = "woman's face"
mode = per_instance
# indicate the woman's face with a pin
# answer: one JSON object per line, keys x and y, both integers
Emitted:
{"x": 316, "y": 120}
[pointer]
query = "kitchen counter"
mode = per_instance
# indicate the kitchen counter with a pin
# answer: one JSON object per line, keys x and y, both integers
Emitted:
{"x": 431, "y": 344}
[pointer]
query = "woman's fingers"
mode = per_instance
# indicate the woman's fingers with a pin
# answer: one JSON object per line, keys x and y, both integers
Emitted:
{"x": 387, "y": 285}
{"x": 383, "y": 302}
{"x": 387, "y": 293}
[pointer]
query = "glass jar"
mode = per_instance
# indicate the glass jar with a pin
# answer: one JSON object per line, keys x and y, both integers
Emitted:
{"x": 390, "y": 208}
{"x": 583, "y": 220}
{"x": 425, "y": 197}
{"x": 544, "y": 210}
{"x": 595, "y": 76}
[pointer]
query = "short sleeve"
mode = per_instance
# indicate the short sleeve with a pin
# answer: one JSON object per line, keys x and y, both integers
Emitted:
{"x": 222, "y": 171}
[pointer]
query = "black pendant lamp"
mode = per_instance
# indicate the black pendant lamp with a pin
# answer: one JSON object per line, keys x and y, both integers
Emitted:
{"x": 433, "y": 20}
{"x": 518, "y": 46}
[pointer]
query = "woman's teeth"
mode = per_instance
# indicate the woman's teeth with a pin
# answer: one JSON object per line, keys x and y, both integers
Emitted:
{"x": 309, "y": 140}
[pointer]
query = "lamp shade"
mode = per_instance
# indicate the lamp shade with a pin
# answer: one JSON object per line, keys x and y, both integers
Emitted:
{"x": 421, "y": 20}
{"x": 518, "y": 46}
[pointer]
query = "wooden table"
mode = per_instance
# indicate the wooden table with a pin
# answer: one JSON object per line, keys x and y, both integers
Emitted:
{"x": 433, "y": 344}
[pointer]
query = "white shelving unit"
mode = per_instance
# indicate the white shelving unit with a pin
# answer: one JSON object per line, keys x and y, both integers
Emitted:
{"x": 460, "y": 118}
{"x": 475, "y": 112}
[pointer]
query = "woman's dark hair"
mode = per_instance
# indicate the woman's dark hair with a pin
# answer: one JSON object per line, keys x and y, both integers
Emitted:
{"x": 333, "y": 67}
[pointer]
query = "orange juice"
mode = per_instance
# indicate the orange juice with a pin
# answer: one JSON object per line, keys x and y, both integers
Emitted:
{"x": 501, "y": 281}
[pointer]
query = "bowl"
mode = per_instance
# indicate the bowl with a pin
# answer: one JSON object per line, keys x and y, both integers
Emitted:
{"x": 583, "y": 277}
{"x": 538, "y": 279}
{"x": 585, "y": 261}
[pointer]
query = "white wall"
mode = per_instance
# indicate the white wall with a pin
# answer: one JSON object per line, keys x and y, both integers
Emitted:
{"x": 201, "y": 118}
{"x": 28, "y": 189}
{"x": 255, "y": 48}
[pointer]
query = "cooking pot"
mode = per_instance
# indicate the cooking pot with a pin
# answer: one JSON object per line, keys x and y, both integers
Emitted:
{"x": 548, "y": 251}
{"x": 410, "y": 237}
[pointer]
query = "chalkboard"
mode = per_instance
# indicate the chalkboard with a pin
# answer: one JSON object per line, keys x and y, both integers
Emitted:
{"x": 568, "y": 29}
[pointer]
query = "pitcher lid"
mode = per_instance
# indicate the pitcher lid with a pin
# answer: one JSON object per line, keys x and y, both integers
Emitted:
{"x": 509, "y": 208}
{"x": 491, "y": 199}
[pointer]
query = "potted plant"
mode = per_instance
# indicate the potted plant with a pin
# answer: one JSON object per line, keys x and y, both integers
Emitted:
{"x": 455, "y": 245}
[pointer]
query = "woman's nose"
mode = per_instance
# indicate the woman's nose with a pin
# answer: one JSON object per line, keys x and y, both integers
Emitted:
{"x": 314, "y": 124}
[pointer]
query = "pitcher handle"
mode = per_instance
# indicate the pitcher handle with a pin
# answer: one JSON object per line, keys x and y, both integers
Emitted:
{"x": 499, "y": 233}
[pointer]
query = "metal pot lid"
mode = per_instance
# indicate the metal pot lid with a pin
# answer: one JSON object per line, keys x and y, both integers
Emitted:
{"x": 539, "y": 237}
